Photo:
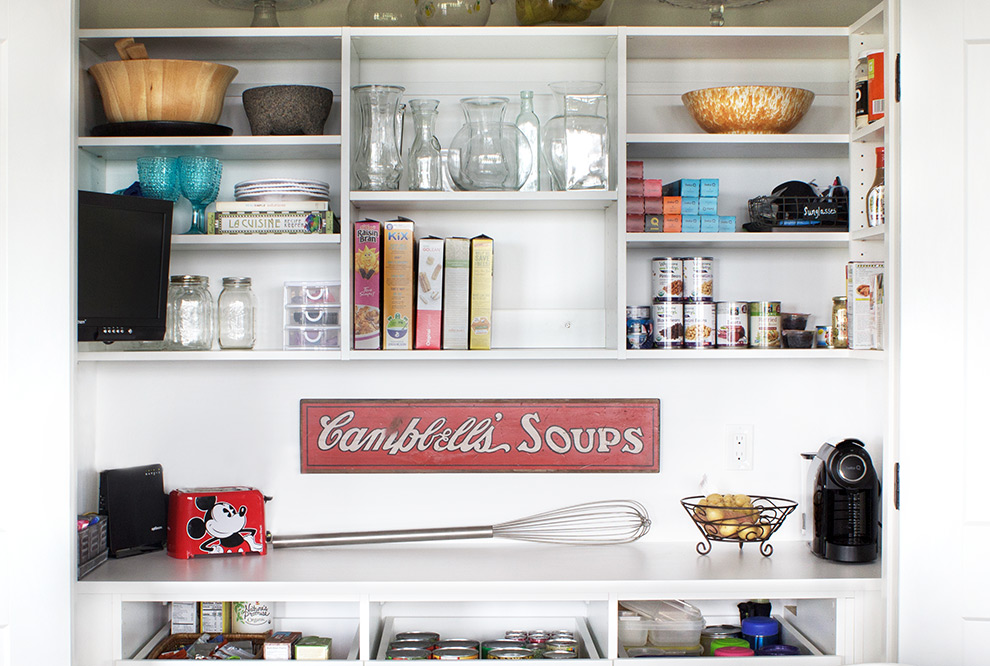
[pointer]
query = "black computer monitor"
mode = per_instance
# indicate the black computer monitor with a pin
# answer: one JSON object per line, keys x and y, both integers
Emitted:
{"x": 124, "y": 245}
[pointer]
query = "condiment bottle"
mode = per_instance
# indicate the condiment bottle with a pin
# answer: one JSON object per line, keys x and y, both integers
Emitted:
{"x": 874, "y": 197}
{"x": 840, "y": 324}
{"x": 237, "y": 307}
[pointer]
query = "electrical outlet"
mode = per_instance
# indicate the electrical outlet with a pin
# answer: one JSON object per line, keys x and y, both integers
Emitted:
{"x": 739, "y": 447}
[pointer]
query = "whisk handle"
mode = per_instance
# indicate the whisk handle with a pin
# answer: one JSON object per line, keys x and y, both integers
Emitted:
{"x": 383, "y": 536}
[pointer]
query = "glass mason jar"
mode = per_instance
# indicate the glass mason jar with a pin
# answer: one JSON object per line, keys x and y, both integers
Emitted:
{"x": 237, "y": 307}
{"x": 190, "y": 315}
{"x": 423, "y": 162}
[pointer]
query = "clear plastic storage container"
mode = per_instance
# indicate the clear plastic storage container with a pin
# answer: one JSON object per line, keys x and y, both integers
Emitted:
{"x": 312, "y": 337}
{"x": 312, "y": 293}
{"x": 671, "y": 623}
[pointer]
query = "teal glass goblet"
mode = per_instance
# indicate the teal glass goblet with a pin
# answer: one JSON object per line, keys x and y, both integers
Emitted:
{"x": 199, "y": 181}
{"x": 159, "y": 177}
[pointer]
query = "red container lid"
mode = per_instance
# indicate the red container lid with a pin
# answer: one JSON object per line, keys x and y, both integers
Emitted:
{"x": 734, "y": 651}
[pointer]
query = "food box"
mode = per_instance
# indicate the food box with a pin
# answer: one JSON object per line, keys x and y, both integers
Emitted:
{"x": 182, "y": 617}
{"x": 456, "y": 293}
{"x": 634, "y": 223}
{"x": 875, "y": 85}
{"x": 685, "y": 187}
{"x": 214, "y": 616}
{"x": 429, "y": 293}
{"x": 672, "y": 224}
{"x": 690, "y": 224}
{"x": 482, "y": 262}
{"x": 367, "y": 284}
{"x": 671, "y": 205}
{"x": 398, "y": 284}
{"x": 864, "y": 304}
{"x": 708, "y": 187}
{"x": 312, "y": 648}
{"x": 653, "y": 223}
{"x": 708, "y": 206}
{"x": 727, "y": 224}
{"x": 670, "y": 623}
{"x": 709, "y": 224}
{"x": 690, "y": 206}
{"x": 279, "y": 645}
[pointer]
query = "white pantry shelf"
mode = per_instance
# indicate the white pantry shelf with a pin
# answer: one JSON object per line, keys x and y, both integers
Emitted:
{"x": 753, "y": 354}
{"x": 222, "y": 147}
{"x": 221, "y": 44}
{"x": 416, "y": 201}
{"x": 222, "y": 355}
{"x": 254, "y": 241}
{"x": 741, "y": 239}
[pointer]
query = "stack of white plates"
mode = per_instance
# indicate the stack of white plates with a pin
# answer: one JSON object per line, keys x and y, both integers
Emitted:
{"x": 282, "y": 189}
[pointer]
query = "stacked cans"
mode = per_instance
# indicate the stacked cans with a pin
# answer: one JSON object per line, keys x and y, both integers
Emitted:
{"x": 413, "y": 645}
{"x": 683, "y": 309}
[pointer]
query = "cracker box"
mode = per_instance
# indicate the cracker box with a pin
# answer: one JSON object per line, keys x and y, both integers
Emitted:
{"x": 456, "y": 292}
{"x": 864, "y": 304}
{"x": 367, "y": 285}
{"x": 874, "y": 85}
{"x": 312, "y": 648}
{"x": 398, "y": 284}
{"x": 429, "y": 293}
{"x": 214, "y": 616}
{"x": 482, "y": 262}
{"x": 183, "y": 618}
{"x": 279, "y": 645}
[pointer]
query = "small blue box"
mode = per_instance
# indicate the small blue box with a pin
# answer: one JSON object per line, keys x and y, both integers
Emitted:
{"x": 727, "y": 223}
{"x": 690, "y": 206}
{"x": 708, "y": 187}
{"x": 690, "y": 224}
{"x": 685, "y": 187}
{"x": 709, "y": 224}
{"x": 708, "y": 206}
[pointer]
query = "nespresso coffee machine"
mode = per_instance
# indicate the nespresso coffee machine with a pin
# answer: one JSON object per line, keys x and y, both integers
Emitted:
{"x": 844, "y": 503}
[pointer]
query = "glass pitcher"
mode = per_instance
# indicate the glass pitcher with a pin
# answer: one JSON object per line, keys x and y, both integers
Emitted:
{"x": 575, "y": 142}
{"x": 488, "y": 153}
{"x": 377, "y": 161}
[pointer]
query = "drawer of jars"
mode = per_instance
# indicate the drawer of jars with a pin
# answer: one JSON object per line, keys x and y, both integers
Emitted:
{"x": 312, "y": 293}
{"x": 312, "y": 337}
{"x": 323, "y": 315}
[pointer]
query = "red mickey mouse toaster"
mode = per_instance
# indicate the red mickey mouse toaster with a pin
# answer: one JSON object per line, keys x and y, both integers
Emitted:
{"x": 216, "y": 521}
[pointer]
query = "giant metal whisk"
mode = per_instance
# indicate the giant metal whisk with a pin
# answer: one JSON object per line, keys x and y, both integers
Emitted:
{"x": 592, "y": 523}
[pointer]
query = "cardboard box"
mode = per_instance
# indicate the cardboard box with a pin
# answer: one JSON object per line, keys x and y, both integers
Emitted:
{"x": 429, "y": 293}
{"x": 708, "y": 187}
{"x": 214, "y": 617}
{"x": 398, "y": 284}
{"x": 482, "y": 273}
{"x": 708, "y": 206}
{"x": 672, "y": 224}
{"x": 685, "y": 187}
{"x": 864, "y": 304}
{"x": 367, "y": 285}
{"x": 727, "y": 224}
{"x": 671, "y": 205}
{"x": 690, "y": 224}
{"x": 634, "y": 187}
{"x": 653, "y": 223}
{"x": 279, "y": 645}
{"x": 456, "y": 292}
{"x": 635, "y": 206}
{"x": 652, "y": 187}
{"x": 690, "y": 206}
{"x": 709, "y": 224}
{"x": 874, "y": 85}
{"x": 312, "y": 648}
{"x": 634, "y": 169}
{"x": 634, "y": 223}
{"x": 297, "y": 206}
{"x": 183, "y": 618}
{"x": 653, "y": 206}
{"x": 313, "y": 222}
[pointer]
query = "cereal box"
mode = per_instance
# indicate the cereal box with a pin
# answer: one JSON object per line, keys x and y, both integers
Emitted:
{"x": 429, "y": 293}
{"x": 214, "y": 616}
{"x": 456, "y": 292}
{"x": 279, "y": 644}
{"x": 367, "y": 284}
{"x": 398, "y": 284}
{"x": 864, "y": 304}
{"x": 482, "y": 261}
{"x": 312, "y": 648}
{"x": 183, "y": 618}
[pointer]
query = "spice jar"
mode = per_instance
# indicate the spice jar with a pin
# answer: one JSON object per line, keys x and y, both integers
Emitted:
{"x": 237, "y": 307}
{"x": 840, "y": 324}
{"x": 190, "y": 314}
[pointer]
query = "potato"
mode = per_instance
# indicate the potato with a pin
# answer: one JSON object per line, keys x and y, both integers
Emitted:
{"x": 727, "y": 530}
{"x": 571, "y": 14}
{"x": 590, "y": 5}
{"x": 533, "y": 12}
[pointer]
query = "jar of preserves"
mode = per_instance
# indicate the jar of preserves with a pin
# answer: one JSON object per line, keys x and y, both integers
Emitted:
{"x": 190, "y": 314}
{"x": 237, "y": 307}
{"x": 840, "y": 324}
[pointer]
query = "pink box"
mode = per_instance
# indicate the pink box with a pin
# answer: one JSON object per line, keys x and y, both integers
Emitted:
{"x": 634, "y": 187}
{"x": 367, "y": 285}
{"x": 634, "y": 223}
{"x": 653, "y": 187}
{"x": 653, "y": 205}
{"x": 634, "y": 169}
{"x": 635, "y": 205}
{"x": 429, "y": 293}
{"x": 672, "y": 224}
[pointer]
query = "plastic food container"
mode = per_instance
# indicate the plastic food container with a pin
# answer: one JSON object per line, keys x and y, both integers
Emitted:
{"x": 760, "y": 632}
{"x": 312, "y": 293}
{"x": 312, "y": 337}
{"x": 716, "y": 632}
{"x": 671, "y": 623}
{"x": 654, "y": 651}
{"x": 321, "y": 315}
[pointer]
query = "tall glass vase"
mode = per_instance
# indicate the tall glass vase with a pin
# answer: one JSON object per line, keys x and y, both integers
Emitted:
{"x": 377, "y": 161}
{"x": 488, "y": 153}
{"x": 575, "y": 142}
{"x": 423, "y": 162}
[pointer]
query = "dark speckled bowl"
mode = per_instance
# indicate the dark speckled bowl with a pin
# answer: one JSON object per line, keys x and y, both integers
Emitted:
{"x": 287, "y": 109}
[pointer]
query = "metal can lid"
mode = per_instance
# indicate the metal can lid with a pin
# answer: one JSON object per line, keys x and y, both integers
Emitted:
{"x": 407, "y": 653}
{"x": 511, "y": 653}
{"x": 455, "y": 653}
{"x": 562, "y": 642}
{"x": 458, "y": 642}
{"x": 559, "y": 654}
{"x": 412, "y": 643}
{"x": 720, "y": 631}
{"x": 420, "y": 635}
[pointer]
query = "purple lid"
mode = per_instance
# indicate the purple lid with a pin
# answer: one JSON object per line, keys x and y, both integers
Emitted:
{"x": 778, "y": 651}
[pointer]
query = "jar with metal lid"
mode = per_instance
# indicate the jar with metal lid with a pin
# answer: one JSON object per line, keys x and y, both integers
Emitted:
{"x": 237, "y": 307}
{"x": 715, "y": 632}
{"x": 190, "y": 314}
{"x": 840, "y": 323}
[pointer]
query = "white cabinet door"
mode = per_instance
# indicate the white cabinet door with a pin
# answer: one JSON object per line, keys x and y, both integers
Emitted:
{"x": 944, "y": 584}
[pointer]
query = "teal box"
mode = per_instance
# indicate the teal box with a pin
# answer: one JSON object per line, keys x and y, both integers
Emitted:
{"x": 709, "y": 224}
{"x": 690, "y": 224}
{"x": 727, "y": 223}
{"x": 685, "y": 187}
{"x": 708, "y": 187}
{"x": 690, "y": 206}
{"x": 708, "y": 206}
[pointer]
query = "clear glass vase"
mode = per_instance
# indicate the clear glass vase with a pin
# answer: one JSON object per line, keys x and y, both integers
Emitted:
{"x": 488, "y": 153}
{"x": 380, "y": 13}
{"x": 575, "y": 142}
{"x": 453, "y": 12}
{"x": 423, "y": 162}
{"x": 377, "y": 161}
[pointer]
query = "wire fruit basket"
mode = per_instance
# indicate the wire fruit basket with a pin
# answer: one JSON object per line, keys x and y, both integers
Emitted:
{"x": 737, "y": 519}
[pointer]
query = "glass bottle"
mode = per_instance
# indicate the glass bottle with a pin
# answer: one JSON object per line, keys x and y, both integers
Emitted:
{"x": 529, "y": 125}
{"x": 190, "y": 314}
{"x": 423, "y": 162}
{"x": 237, "y": 307}
{"x": 378, "y": 152}
{"x": 874, "y": 197}
{"x": 840, "y": 323}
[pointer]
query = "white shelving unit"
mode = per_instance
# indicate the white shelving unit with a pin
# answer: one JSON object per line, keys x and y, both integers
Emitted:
{"x": 566, "y": 270}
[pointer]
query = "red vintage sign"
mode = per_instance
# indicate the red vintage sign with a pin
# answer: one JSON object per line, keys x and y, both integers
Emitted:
{"x": 479, "y": 435}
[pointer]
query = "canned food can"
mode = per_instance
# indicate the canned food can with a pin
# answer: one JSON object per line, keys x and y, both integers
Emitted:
{"x": 699, "y": 325}
{"x": 516, "y": 634}
{"x": 458, "y": 643}
{"x": 699, "y": 278}
{"x": 412, "y": 643}
{"x": 561, "y": 633}
{"x": 668, "y": 279}
{"x": 638, "y": 327}
{"x": 732, "y": 324}
{"x": 454, "y": 653}
{"x": 402, "y": 654}
{"x": 668, "y": 325}
{"x": 823, "y": 336}
{"x": 488, "y": 646}
{"x": 764, "y": 324}
{"x": 559, "y": 643}
{"x": 559, "y": 654}
{"x": 511, "y": 653}
{"x": 430, "y": 636}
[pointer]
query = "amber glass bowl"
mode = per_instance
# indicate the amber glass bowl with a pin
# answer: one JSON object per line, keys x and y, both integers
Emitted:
{"x": 748, "y": 109}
